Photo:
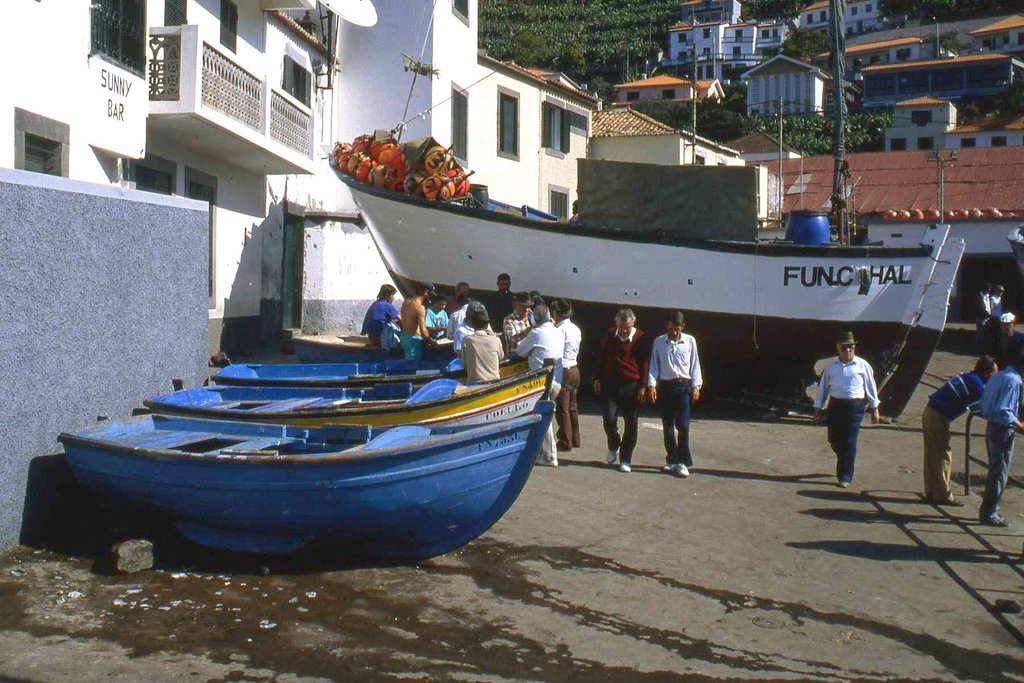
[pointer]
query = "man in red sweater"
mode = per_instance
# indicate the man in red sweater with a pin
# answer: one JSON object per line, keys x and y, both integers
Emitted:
{"x": 620, "y": 375}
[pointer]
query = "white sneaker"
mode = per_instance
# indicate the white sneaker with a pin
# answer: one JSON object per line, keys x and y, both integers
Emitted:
{"x": 624, "y": 467}
{"x": 682, "y": 471}
{"x": 613, "y": 455}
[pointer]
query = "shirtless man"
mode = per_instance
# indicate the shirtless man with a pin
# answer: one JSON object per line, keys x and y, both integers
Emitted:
{"x": 414, "y": 324}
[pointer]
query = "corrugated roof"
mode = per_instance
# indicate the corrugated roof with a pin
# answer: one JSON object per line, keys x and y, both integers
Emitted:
{"x": 758, "y": 142}
{"x": 1004, "y": 24}
{"x": 985, "y": 124}
{"x": 980, "y": 178}
{"x": 963, "y": 59}
{"x": 923, "y": 101}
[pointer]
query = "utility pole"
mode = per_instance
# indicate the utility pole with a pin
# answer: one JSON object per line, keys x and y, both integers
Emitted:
{"x": 940, "y": 163}
{"x": 693, "y": 104}
{"x": 780, "y": 188}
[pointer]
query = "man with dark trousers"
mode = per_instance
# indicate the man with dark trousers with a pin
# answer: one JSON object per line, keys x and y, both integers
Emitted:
{"x": 1000, "y": 406}
{"x": 673, "y": 382}
{"x": 848, "y": 382}
{"x": 620, "y": 373}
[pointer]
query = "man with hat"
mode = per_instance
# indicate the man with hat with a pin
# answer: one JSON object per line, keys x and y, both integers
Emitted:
{"x": 848, "y": 382}
{"x": 1004, "y": 340}
{"x": 481, "y": 350}
{"x": 516, "y": 324}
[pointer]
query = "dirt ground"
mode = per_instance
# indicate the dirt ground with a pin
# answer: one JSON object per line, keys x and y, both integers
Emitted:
{"x": 756, "y": 567}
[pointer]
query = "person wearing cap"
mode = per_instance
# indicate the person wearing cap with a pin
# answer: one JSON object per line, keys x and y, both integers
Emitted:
{"x": 945, "y": 405}
{"x": 673, "y": 382}
{"x": 848, "y": 382}
{"x": 984, "y": 306}
{"x": 516, "y": 324}
{"x": 567, "y": 413}
{"x": 1003, "y": 338}
{"x": 544, "y": 342}
{"x": 414, "y": 323}
{"x": 481, "y": 349}
{"x": 1000, "y": 406}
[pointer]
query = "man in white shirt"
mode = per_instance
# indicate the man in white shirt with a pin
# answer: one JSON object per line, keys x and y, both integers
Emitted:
{"x": 457, "y": 317}
{"x": 849, "y": 381}
{"x": 543, "y": 342}
{"x": 567, "y": 407}
{"x": 995, "y": 301}
{"x": 674, "y": 380}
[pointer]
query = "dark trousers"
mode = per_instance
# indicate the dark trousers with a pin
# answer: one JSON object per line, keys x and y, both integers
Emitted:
{"x": 619, "y": 398}
{"x": 999, "y": 442}
{"x": 674, "y": 406}
{"x": 567, "y": 410}
{"x": 844, "y": 419}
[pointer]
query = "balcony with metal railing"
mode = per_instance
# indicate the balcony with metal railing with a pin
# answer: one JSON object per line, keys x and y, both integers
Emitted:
{"x": 208, "y": 99}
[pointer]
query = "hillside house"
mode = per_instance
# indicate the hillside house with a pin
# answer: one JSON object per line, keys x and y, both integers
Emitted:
{"x": 860, "y": 16}
{"x": 986, "y": 132}
{"x": 1005, "y": 35}
{"x": 799, "y": 87}
{"x": 966, "y": 76}
{"x": 894, "y": 51}
{"x": 920, "y": 123}
{"x": 722, "y": 50}
{"x": 668, "y": 88}
{"x": 702, "y": 11}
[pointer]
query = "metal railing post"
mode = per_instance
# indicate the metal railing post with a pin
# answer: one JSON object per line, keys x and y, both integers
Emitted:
{"x": 967, "y": 454}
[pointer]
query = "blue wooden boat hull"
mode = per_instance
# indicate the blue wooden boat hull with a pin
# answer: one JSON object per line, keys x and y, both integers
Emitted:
{"x": 335, "y": 374}
{"x": 319, "y": 350}
{"x": 409, "y": 493}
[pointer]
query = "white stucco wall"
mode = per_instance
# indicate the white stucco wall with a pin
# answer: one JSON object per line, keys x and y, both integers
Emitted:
{"x": 983, "y": 139}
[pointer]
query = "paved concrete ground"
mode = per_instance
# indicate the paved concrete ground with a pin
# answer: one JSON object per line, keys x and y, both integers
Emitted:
{"x": 756, "y": 567}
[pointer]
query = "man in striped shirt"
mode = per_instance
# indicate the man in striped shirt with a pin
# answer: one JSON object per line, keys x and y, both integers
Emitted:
{"x": 673, "y": 381}
{"x": 848, "y": 382}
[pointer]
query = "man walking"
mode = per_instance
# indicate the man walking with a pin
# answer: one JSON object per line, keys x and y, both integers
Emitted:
{"x": 945, "y": 405}
{"x": 1000, "y": 405}
{"x": 567, "y": 407}
{"x": 620, "y": 368}
{"x": 543, "y": 342}
{"x": 673, "y": 381}
{"x": 847, "y": 381}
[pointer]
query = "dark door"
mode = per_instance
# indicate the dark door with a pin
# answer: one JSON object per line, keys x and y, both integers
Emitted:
{"x": 291, "y": 273}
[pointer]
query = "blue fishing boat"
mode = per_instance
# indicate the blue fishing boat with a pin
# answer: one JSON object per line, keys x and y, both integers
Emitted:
{"x": 440, "y": 401}
{"x": 407, "y": 493}
{"x": 350, "y": 374}
{"x": 357, "y": 350}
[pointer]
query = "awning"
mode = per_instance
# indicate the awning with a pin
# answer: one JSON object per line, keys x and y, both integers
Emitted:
{"x": 358, "y": 12}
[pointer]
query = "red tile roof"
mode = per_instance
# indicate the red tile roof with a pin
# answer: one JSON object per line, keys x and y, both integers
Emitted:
{"x": 986, "y": 124}
{"x": 758, "y": 142}
{"x": 614, "y": 123}
{"x": 654, "y": 81}
{"x": 963, "y": 59}
{"x": 1004, "y": 24}
{"x": 981, "y": 177}
{"x": 539, "y": 80}
{"x": 923, "y": 101}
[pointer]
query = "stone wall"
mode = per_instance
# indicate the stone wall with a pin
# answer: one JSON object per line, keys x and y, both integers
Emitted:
{"x": 104, "y": 300}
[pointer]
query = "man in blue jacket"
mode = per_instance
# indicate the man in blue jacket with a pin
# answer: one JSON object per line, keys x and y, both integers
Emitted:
{"x": 1000, "y": 404}
{"x": 945, "y": 405}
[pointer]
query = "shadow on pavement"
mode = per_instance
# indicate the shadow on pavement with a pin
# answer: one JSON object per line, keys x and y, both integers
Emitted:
{"x": 895, "y": 552}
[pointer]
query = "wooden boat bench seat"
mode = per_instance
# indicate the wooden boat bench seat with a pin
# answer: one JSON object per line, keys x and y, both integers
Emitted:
{"x": 166, "y": 440}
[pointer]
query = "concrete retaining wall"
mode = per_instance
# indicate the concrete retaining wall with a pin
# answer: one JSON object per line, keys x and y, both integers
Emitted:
{"x": 104, "y": 300}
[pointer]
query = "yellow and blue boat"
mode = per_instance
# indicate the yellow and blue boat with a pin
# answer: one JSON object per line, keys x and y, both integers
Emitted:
{"x": 444, "y": 402}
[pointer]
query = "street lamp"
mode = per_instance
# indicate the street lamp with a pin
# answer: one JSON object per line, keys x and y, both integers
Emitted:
{"x": 940, "y": 163}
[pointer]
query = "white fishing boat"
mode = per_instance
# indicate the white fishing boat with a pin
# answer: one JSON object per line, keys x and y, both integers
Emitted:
{"x": 763, "y": 312}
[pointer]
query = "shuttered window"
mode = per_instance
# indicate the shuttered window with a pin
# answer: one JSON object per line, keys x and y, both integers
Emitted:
{"x": 460, "y": 124}
{"x": 175, "y": 13}
{"x": 296, "y": 80}
{"x": 228, "y": 24}
{"x": 508, "y": 125}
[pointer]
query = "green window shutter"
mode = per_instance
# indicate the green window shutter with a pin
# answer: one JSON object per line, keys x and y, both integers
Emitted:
{"x": 566, "y": 121}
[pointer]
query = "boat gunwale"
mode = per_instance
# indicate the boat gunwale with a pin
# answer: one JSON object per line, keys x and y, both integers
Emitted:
{"x": 349, "y": 454}
{"x": 368, "y": 409}
{"x": 578, "y": 229}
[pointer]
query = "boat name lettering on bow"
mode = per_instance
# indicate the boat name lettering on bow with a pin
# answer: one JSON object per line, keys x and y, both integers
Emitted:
{"x": 844, "y": 276}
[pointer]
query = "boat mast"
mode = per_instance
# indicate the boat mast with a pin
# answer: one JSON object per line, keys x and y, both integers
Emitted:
{"x": 841, "y": 170}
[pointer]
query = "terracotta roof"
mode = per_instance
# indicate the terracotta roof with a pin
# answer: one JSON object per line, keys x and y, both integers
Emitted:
{"x": 926, "y": 100}
{"x": 512, "y": 66}
{"x": 981, "y": 177}
{"x": 654, "y": 81}
{"x": 986, "y": 124}
{"x": 300, "y": 32}
{"x": 1004, "y": 24}
{"x": 878, "y": 45}
{"x": 964, "y": 59}
{"x": 758, "y": 142}
{"x": 616, "y": 123}
{"x": 817, "y": 5}
{"x": 540, "y": 72}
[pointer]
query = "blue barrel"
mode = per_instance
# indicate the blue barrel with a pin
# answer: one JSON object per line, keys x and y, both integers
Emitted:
{"x": 808, "y": 227}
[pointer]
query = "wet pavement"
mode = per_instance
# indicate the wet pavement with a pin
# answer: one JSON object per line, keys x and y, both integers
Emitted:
{"x": 756, "y": 567}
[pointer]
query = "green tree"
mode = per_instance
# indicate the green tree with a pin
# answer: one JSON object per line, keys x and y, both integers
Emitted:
{"x": 949, "y": 42}
{"x": 804, "y": 42}
{"x": 531, "y": 50}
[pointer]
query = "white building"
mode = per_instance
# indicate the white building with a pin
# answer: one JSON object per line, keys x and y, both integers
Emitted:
{"x": 529, "y": 128}
{"x": 627, "y": 135}
{"x": 1005, "y": 35}
{"x": 920, "y": 123}
{"x": 214, "y": 101}
{"x": 896, "y": 50}
{"x": 723, "y": 50}
{"x": 986, "y": 132}
{"x": 796, "y": 86}
{"x": 667, "y": 88}
{"x": 860, "y": 16}
{"x": 701, "y": 11}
